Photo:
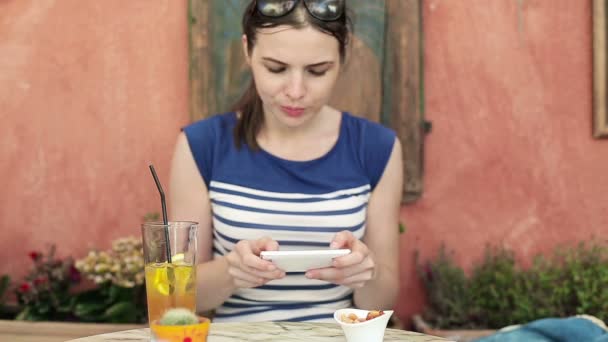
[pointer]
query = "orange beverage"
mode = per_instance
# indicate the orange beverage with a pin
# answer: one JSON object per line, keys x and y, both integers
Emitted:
{"x": 170, "y": 286}
{"x": 170, "y": 266}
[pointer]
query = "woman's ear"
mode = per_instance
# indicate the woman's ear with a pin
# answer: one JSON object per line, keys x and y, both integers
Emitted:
{"x": 246, "y": 50}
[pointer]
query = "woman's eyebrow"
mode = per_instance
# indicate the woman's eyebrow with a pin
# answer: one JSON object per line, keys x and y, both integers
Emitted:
{"x": 270, "y": 59}
{"x": 273, "y": 60}
{"x": 321, "y": 64}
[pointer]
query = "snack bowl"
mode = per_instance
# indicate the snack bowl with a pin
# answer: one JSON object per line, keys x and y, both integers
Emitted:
{"x": 368, "y": 331}
{"x": 178, "y": 333}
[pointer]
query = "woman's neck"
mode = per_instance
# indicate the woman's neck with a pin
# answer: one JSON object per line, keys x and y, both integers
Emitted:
{"x": 308, "y": 141}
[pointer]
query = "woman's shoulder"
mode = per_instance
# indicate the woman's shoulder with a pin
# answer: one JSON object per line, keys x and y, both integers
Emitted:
{"x": 366, "y": 128}
{"x": 373, "y": 144}
{"x": 216, "y": 121}
{"x": 216, "y": 126}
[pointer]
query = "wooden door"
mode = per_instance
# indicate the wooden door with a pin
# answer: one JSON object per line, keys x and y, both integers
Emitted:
{"x": 380, "y": 81}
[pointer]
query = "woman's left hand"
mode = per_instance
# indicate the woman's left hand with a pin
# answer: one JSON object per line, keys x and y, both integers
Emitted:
{"x": 353, "y": 270}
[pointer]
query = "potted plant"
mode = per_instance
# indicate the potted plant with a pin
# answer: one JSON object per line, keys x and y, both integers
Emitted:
{"x": 119, "y": 292}
{"x": 44, "y": 294}
{"x": 499, "y": 293}
{"x": 179, "y": 325}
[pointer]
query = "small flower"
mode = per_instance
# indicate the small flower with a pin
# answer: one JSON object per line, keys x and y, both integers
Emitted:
{"x": 74, "y": 274}
{"x": 123, "y": 265}
{"x": 126, "y": 283}
{"x": 139, "y": 278}
{"x": 35, "y": 255}
{"x": 100, "y": 268}
{"x": 40, "y": 281}
{"x": 115, "y": 268}
{"x": 25, "y": 288}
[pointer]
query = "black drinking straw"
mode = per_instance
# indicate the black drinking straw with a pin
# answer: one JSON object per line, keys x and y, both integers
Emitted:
{"x": 164, "y": 205}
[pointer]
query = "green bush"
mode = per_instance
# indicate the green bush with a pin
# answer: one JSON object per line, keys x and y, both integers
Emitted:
{"x": 44, "y": 293}
{"x": 48, "y": 292}
{"x": 119, "y": 296}
{"x": 110, "y": 303}
{"x": 499, "y": 293}
{"x": 446, "y": 289}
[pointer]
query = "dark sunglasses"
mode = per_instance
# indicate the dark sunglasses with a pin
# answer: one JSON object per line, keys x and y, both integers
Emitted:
{"x": 326, "y": 10}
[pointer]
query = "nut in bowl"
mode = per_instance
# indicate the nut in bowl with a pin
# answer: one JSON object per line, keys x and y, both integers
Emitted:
{"x": 363, "y": 325}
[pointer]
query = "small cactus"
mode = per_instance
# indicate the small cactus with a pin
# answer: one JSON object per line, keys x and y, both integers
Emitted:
{"x": 178, "y": 316}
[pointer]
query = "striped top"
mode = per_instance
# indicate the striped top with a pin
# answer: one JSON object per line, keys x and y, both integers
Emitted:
{"x": 300, "y": 204}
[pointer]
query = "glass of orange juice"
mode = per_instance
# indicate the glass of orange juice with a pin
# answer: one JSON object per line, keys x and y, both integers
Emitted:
{"x": 170, "y": 284}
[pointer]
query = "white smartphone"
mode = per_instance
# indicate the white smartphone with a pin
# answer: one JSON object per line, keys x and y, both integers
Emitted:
{"x": 302, "y": 261}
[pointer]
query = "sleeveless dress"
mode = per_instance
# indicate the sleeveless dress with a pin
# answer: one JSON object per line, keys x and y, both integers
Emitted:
{"x": 300, "y": 204}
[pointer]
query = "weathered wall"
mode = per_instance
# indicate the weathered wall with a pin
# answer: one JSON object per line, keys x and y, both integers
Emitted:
{"x": 90, "y": 92}
{"x": 511, "y": 159}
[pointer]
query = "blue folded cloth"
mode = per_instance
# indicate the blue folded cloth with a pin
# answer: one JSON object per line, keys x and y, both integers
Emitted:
{"x": 572, "y": 329}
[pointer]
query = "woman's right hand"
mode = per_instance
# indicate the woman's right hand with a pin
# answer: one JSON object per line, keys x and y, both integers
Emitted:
{"x": 247, "y": 268}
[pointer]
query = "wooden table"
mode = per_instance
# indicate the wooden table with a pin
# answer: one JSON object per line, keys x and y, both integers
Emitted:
{"x": 268, "y": 332}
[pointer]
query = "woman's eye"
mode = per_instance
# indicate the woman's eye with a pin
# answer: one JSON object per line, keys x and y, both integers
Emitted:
{"x": 276, "y": 70}
{"x": 317, "y": 72}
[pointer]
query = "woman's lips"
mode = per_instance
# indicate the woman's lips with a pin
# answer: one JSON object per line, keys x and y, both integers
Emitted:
{"x": 293, "y": 111}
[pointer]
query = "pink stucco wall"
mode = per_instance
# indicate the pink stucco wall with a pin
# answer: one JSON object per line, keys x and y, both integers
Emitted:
{"x": 510, "y": 159}
{"x": 91, "y": 91}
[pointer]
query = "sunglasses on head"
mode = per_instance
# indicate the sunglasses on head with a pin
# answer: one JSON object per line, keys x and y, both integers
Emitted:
{"x": 326, "y": 10}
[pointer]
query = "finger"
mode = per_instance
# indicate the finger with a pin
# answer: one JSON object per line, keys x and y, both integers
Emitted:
{"x": 268, "y": 244}
{"x": 341, "y": 239}
{"x": 270, "y": 275}
{"x": 244, "y": 279}
{"x": 266, "y": 275}
{"x": 357, "y": 280}
{"x": 353, "y": 258}
{"x": 264, "y": 244}
{"x": 257, "y": 264}
{"x": 276, "y": 273}
{"x": 334, "y": 274}
{"x": 250, "y": 260}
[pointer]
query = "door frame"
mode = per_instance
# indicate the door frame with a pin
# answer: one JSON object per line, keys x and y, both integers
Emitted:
{"x": 402, "y": 69}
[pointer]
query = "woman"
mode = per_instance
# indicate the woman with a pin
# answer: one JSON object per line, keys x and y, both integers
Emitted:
{"x": 285, "y": 170}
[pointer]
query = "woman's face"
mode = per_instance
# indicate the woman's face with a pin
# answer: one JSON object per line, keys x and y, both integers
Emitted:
{"x": 295, "y": 71}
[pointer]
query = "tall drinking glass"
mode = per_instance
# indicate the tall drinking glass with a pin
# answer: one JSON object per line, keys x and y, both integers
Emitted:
{"x": 170, "y": 285}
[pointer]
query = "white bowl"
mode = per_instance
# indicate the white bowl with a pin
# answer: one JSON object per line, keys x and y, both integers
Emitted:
{"x": 368, "y": 331}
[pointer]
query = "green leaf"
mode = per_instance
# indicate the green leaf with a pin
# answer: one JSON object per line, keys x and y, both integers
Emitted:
{"x": 120, "y": 294}
{"x": 122, "y": 312}
{"x": 90, "y": 295}
{"x": 23, "y": 315}
{"x": 30, "y": 314}
{"x": 88, "y": 309}
{"x": 5, "y": 282}
{"x": 402, "y": 228}
{"x": 43, "y": 308}
{"x": 66, "y": 307}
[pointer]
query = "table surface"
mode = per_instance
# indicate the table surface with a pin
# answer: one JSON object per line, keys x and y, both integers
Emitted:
{"x": 268, "y": 332}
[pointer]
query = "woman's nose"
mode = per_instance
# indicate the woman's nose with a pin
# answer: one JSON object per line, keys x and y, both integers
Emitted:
{"x": 295, "y": 89}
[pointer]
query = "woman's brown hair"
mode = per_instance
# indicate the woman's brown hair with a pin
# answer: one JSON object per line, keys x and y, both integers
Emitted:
{"x": 250, "y": 104}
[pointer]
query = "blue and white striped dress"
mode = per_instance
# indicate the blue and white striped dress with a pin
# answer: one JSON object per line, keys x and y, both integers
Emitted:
{"x": 300, "y": 204}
